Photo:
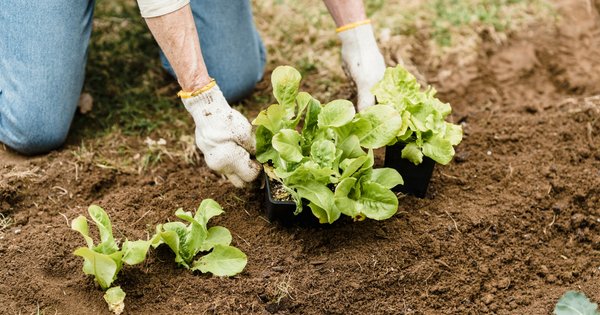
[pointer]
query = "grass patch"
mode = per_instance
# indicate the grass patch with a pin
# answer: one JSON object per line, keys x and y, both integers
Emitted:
{"x": 5, "y": 223}
{"x": 124, "y": 76}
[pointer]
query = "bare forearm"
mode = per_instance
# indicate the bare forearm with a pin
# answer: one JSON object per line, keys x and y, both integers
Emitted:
{"x": 345, "y": 12}
{"x": 176, "y": 35}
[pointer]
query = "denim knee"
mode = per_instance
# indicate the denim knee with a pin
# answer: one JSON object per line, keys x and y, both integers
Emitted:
{"x": 34, "y": 137}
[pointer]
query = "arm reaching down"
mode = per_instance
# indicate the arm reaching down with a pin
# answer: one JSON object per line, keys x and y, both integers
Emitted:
{"x": 222, "y": 134}
{"x": 362, "y": 60}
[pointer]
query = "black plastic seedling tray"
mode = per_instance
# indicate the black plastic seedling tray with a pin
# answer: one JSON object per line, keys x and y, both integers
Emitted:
{"x": 283, "y": 211}
{"x": 416, "y": 177}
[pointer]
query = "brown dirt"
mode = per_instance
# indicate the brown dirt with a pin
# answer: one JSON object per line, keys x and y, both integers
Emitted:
{"x": 507, "y": 228}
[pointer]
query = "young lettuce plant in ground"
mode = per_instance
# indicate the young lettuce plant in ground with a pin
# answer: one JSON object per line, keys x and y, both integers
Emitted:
{"x": 424, "y": 129}
{"x": 186, "y": 241}
{"x": 105, "y": 260}
{"x": 316, "y": 152}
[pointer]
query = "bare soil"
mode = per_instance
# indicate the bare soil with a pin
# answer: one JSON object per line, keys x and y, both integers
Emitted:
{"x": 507, "y": 228}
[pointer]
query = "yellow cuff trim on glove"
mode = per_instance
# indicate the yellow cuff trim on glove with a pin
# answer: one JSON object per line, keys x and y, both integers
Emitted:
{"x": 184, "y": 94}
{"x": 352, "y": 25}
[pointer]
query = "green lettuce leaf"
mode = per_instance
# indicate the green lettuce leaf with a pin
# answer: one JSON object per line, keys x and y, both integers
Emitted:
{"x": 101, "y": 266}
{"x": 378, "y": 126}
{"x": 386, "y": 177}
{"x": 287, "y": 143}
{"x": 286, "y": 82}
{"x": 107, "y": 243}
{"x": 115, "y": 298}
{"x": 217, "y": 235}
{"x": 223, "y": 261}
{"x": 336, "y": 114}
{"x": 413, "y": 153}
{"x": 376, "y": 201}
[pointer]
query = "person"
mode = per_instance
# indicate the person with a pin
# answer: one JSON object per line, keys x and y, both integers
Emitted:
{"x": 212, "y": 47}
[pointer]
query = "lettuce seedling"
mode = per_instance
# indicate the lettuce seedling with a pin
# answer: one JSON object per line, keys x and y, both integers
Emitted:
{"x": 316, "y": 152}
{"x": 186, "y": 241}
{"x": 424, "y": 129}
{"x": 105, "y": 260}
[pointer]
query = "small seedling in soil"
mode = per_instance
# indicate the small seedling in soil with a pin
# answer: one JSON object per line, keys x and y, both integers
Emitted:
{"x": 575, "y": 303}
{"x": 323, "y": 161}
{"x": 186, "y": 241}
{"x": 105, "y": 260}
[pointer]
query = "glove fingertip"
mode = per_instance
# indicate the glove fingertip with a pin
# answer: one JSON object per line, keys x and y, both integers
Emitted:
{"x": 236, "y": 180}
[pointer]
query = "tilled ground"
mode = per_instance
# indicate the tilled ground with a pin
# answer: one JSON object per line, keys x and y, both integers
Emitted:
{"x": 507, "y": 228}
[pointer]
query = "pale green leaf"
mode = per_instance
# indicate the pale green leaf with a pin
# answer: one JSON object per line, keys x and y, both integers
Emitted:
{"x": 344, "y": 204}
{"x": 80, "y": 225}
{"x": 453, "y": 134}
{"x": 351, "y": 166}
{"x": 207, "y": 210}
{"x": 222, "y": 261}
{"x": 171, "y": 238}
{"x": 575, "y": 303}
{"x": 115, "y": 298}
{"x": 377, "y": 202}
{"x": 323, "y": 152}
{"x": 287, "y": 144}
{"x": 101, "y": 266}
{"x": 217, "y": 235}
{"x": 107, "y": 243}
{"x": 135, "y": 252}
{"x": 413, "y": 153}
{"x": 387, "y": 177}
{"x": 336, "y": 114}
{"x": 264, "y": 148}
{"x": 380, "y": 126}
{"x": 319, "y": 213}
{"x": 286, "y": 81}
{"x": 272, "y": 118}
{"x": 351, "y": 148}
{"x": 438, "y": 149}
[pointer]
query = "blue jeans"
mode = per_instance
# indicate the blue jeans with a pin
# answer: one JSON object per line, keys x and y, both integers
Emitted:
{"x": 43, "y": 50}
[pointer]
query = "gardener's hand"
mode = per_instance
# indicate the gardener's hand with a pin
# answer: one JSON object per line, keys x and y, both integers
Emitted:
{"x": 362, "y": 60}
{"x": 222, "y": 134}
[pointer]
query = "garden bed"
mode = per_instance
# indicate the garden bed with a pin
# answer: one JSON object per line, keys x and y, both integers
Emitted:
{"x": 510, "y": 225}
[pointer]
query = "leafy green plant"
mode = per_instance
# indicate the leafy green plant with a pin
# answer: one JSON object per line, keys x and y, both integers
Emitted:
{"x": 575, "y": 303}
{"x": 186, "y": 241}
{"x": 316, "y": 152}
{"x": 424, "y": 129}
{"x": 105, "y": 260}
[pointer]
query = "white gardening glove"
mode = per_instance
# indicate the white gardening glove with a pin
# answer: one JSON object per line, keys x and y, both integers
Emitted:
{"x": 362, "y": 60}
{"x": 224, "y": 135}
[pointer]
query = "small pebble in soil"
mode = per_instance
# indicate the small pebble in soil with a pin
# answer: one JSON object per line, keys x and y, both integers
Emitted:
{"x": 461, "y": 157}
{"x": 488, "y": 298}
{"x": 503, "y": 283}
{"x": 489, "y": 152}
{"x": 17, "y": 231}
{"x": 551, "y": 279}
{"x": 543, "y": 270}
